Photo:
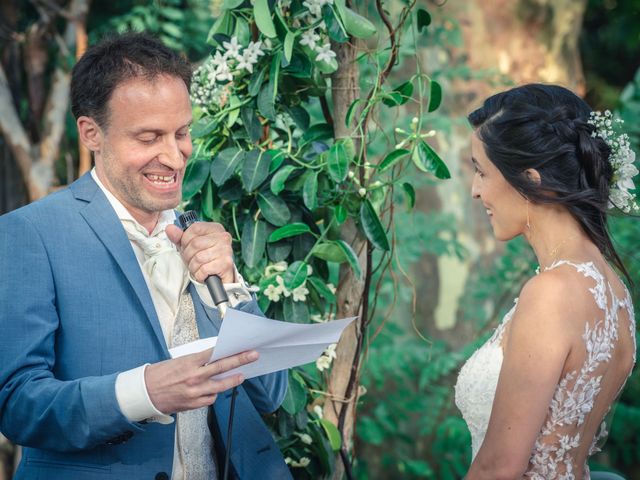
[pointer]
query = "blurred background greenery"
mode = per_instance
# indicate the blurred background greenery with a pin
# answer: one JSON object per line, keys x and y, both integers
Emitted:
{"x": 450, "y": 281}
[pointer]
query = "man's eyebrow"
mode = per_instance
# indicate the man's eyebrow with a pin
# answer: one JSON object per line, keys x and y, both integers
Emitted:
{"x": 474, "y": 161}
{"x": 157, "y": 131}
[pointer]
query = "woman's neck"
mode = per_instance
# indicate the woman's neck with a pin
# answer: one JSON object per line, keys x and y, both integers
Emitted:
{"x": 554, "y": 234}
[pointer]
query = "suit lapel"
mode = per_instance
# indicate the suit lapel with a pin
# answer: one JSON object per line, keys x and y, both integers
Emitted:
{"x": 103, "y": 220}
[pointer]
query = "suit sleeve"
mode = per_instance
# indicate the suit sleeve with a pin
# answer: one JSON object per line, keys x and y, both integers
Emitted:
{"x": 266, "y": 391}
{"x": 36, "y": 409}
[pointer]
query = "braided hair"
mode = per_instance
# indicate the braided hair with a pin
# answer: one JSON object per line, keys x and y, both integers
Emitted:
{"x": 546, "y": 128}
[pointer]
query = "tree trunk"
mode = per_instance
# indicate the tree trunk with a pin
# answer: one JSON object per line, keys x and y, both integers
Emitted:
{"x": 36, "y": 146}
{"x": 521, "y": 41}
{"x": 343, "y": 381}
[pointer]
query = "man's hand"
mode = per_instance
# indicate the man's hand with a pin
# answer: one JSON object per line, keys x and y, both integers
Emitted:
{"x": 206, "y": 249}
{"x": 185, "y": 383}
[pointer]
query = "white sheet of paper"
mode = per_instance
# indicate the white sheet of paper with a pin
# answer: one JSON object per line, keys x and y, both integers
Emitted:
{"x": 281, "y": 345}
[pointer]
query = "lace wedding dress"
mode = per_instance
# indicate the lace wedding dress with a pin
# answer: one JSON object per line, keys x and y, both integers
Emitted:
{"x": 552, "y": 456}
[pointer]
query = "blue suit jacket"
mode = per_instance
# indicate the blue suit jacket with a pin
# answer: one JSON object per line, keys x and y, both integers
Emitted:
{"x": 74, "y": 312}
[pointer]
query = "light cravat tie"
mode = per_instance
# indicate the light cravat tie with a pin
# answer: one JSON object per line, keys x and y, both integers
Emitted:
{"x": 168, "y": 277}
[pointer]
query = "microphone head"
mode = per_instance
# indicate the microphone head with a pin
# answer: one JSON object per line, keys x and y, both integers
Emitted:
{"x": 187, "y": 219}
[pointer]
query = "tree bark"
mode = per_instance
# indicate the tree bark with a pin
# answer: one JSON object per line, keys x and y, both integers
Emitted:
{"x": 36, "y": 159}
{"x": 339, "y": 407}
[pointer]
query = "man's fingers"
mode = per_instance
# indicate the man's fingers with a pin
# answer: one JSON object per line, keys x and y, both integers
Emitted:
{"x": 174, "y": 234}
{"x": 200, "y": 358}
{"x": 229, "y": 363}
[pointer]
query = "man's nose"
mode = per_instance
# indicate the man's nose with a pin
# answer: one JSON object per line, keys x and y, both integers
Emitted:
{"x": 172, "y": 155}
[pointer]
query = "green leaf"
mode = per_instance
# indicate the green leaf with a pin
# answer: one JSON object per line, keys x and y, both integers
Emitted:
{"x": 373, "y": 227}
{"x": 194, "y": 177}
{"x": 203, "y": 127}
{"x": 277, "y": 159}
{"x": 288, "y": 46}
{"x": 423, "y": 19}
{"x": 207, "y": 199}
{"x": 322, "y": 289}
{"x": 274, "y": 209}
{"x": 256, "y": 81}
{"x": 172, "y": 13}
{"x": 280, "y": 178}
{"x": 234, "y": 110}
{"x": 274, "y": 74}
{"x": 300, "y": 116}
{"x": 295, "y": 275}
{"x": 223, "y": 25}
{"x": 350, "y": 110}
{"x": 335, "y": 29}
{"x": 225, "y": 163}
{"x": 231, "y": 4}
{"x": 263, "y": 18}
{"x": 266, "y": 105}
{"x": 332, "y": 433}
{"x": 172, "y": 30}
{"x": 392, "y": 158}
{"x": 429, "y": 161}
{"x": 296, "y": 397}
{"x": 356, "y": 25}
{"x": 319, "y": 131}
{"x": 253, "y": 241}
{"x": 329, "y": 251}
{"x": 290, "y": 230}
{"x": 411, "y": 194}
{"x": 338, "y": 162}
{"x": 310, "y": 191}
{"x": 251, "y": 123}
{"x": 351, "y": 256}
{"x": 435, "y": 95}
{"x": 296, "y": 312}
{"x": 341, "y": 214}
{"x": 255, "y": 169}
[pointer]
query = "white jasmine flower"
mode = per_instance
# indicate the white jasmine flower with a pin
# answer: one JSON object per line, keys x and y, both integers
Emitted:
{"x": 232, "y": 48}
{"x": 351, "y": 174}
{"x": 254, "y": 50}
{"x": 304, "y": 461}
{"x": 273, "y": 293}
{"x": 223, "y": 73}
{"x": 280, "y": 282}
{"x": 362, "y": 192}
{"x": 300, "y": 293}
{"x": 331, "y": 351}
{"x": 331, "y": 287}
{"x": 314, "y": 7}
{"x": 246, "y": 61}
{"x": 305, "y": 438}
{"x": 318, "y": 411}
{"x": 323, "y": 363}
{"x": 309, "y": 38}
{"x": 325, "y": 53}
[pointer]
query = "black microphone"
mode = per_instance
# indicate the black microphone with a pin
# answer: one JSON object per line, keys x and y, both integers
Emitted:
{"x": 213, "y": 282}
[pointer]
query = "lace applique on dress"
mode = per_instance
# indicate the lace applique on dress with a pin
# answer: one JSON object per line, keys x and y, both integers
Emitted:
{"x": 573, "y": 398}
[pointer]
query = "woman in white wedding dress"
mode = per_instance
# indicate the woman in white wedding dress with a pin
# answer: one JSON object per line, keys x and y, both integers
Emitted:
{"x": 535, "y": 396}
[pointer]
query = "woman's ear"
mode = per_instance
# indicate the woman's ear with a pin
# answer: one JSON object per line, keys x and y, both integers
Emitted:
{"x": 533, "y": 175}
{"x": 90, "y": 133}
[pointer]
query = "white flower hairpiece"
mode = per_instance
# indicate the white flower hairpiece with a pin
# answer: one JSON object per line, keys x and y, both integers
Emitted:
{"x": 622, "y": 160}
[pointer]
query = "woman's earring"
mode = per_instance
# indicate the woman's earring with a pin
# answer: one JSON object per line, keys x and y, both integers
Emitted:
{"x": 528, "y": 219}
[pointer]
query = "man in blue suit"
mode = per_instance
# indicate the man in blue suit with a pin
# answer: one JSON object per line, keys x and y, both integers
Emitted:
{"x": 97, "y": 285}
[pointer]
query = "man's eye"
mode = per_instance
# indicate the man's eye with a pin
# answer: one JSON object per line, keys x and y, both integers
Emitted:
{"x": 181, "y": 135}
{"x": 148, "y": 140}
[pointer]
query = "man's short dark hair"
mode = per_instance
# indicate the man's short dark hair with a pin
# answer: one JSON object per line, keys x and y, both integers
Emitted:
{"x": 114, "y": 60}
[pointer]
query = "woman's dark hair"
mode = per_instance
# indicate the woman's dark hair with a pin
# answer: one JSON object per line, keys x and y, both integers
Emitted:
{"x": 114, "y": 60}
{"x": 545, "y": 127}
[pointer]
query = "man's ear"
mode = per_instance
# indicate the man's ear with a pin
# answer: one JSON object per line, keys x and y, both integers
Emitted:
{"x": 90, "y": 133}
{"x": 533, "y": 175}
